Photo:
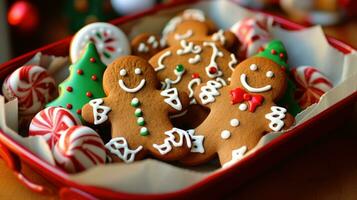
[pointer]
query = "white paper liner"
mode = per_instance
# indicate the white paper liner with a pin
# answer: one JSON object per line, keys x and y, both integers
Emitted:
{"x": 305, "y": 47}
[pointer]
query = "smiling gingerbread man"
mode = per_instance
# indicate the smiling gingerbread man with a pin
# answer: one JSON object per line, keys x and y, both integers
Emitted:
{"x": 241, "y": 113}
{"x": 138, "y": 111}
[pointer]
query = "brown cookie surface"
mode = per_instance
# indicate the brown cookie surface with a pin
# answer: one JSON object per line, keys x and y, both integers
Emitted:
{"x": 241, "y": 112}
{"x": 139, "y": 112}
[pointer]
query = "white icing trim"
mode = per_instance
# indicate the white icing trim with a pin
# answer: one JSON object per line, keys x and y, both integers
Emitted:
{"x": 152, "y": 40}
{"x": 234, "y": 122}
{"x": 197, "y": 142}
{"x": 243, "y": 107}
{"x": 232, "y": 62}
{"x": 99, "y": 117}
{"x": 169, "y": 82}
{"x": 190, "y": 86}
{"x": 161, "y": 60}
{"x": 132, "y": 90}
{"x": 122, "y": 72}
{"x": 215, "y": 54}
{"x": 143, "y": 48}
{"x": 173, "y": 99}
{"x": 195, "y": 14}
{"x": 237, "y": 155}
{"x": 188, "y": 47}
{"x": 209, "y": 91}
{"x": 219, "y": 36}
{"x": 178, "y": 115}
{"x": 137, "y": 71}
{"x": 195, "y": 59}
{"x": 221, "y": 80}
{"x": 170, "y": 141}
{"x": 253, "y": 67}
{"x": 243, "y": 80}
{"x": 275, "y": 117}
{"x": 269, "y": 74}
{"x": 184, "y": 36}
{"x": 225, "y": 134}
{"x": 128, "y": 155}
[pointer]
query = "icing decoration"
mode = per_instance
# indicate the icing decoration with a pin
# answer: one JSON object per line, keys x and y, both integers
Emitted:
{"x": 213, "y": 65}
{"x": 78, "y": 149}
{"x": 100, "y": 113}
{"x": 170, "y": 141}
{"x": 83, "y": 86}
{"x": 132, "y": 90}
{"x": 135, "y": 102}
{"x": 179, "y": 114}
{"x": 111, "y": 42}
{"x": 188, "y": 47}
{"x": 239, "y": 95}
{"x": 243, "y": 107}
{"x": 243, "y": 80}
{"x": 122, "y": 72}
{"x": 179, "y": 71}
{"x": 195, "y": 14}
{"x": 269, "y": 74}
{"x": 234, "y": 122}
{"x": 276, "y": 117}
{"x": 232, "y": 62}
{"x": 219, "y": 36}
{"x": 194, "y": 81}
{"x": 195, "y": 59}
{"x": 51, "y": 123}
{"x": 141, "y": 121}
{"x": 137, "y": 71}
{"x": 161, "y": 60}
{"x": 32, "y": 86}
{"x": 173, "y": 100}
{"x": 221, "y": 80}
{"x": 138, "y": 112}
{"x": 209, "y": 91}
{"x": 253, "y": 67}
{"x": 144, "y": 131}
{"x": 186, "y": 35}
{"x": 143, "y": 48}
{"x": 154, "y": 43}
{"x": 225, "y": 134}
{"x": 311, "y": 85}
{"x": 237, "y": 155}
{"x": 119, "y": 147}
{"x": 197, "y": 142}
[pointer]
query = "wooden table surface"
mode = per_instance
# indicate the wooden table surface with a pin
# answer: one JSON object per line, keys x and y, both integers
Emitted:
{"x": 325, "y": 170}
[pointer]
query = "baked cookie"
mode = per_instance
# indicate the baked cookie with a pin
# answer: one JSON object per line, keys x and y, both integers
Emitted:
{"x": 189, "y": 64}
{"x": 139, "y": 113}
{"x": 146, "y": 45}
{"x": 240, "y": 113}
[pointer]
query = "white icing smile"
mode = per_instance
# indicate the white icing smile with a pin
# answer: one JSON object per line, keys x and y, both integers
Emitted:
{"x": 243, "y": 80}
{"x": 132, "y": 90}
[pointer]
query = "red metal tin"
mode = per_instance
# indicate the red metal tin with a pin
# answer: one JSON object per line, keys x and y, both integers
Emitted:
{"x": 221, "y": 182}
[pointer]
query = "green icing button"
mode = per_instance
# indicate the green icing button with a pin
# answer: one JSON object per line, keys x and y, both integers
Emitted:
{"x": 144, "y": 131}
{"x": 138, "y": 112}
{"x": 140, "y": 121}
{"x": 135, "y": 102}
{"x": 180, "y": 68}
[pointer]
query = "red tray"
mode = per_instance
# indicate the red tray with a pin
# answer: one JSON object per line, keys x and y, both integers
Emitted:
{"x": 213, "y": 186}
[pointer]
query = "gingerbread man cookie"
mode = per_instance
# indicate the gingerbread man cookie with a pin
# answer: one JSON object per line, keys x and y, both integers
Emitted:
{"x": 146, "y": 45}
{"x": 139, "y": 113}
{"x": 189, "y": 64}
{"x": 245, "y": 111}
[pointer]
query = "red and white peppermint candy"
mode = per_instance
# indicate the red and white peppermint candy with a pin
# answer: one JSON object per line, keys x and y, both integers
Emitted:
{"x": 51, "y": 123}
{"x": 110, "y": 41}
{"x": 253, "y": 33}
{"x": 311, "y": 84}
{"x": 32, "y": 86}
{"x": 78, "y": 149}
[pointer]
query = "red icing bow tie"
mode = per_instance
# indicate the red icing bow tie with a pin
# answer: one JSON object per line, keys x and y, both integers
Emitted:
{"x": 239, "y": 95}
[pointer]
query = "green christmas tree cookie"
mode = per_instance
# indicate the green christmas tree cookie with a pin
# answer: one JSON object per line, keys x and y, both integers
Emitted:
{"x": 83, "y": 84}
{"x": 276, "y": 52}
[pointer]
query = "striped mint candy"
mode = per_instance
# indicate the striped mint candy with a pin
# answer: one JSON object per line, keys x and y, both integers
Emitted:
{"x": 311, "y": 84}
{"x": 78, "y": 149}
{"x": 51, "y": 123}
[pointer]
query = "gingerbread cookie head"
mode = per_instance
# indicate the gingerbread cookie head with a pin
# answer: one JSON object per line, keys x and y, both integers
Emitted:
{"x": 129, "y": 75}
{"x": 146, "y": 45}
{"x": 138, "y": 112}
{"x": 260, "y": 75}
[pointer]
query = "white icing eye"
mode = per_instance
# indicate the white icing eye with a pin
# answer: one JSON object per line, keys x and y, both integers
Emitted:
{"x": 253, "y": 67}
{"x": 269, "y": 74}
{"x": 137, "y": 71}
{"x": 122, "y": 72}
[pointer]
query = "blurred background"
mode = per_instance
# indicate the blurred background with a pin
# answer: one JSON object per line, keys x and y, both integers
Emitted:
{"x": 28, "y": 24}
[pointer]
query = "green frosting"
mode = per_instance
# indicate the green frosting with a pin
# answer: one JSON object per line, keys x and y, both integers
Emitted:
{"x": 83, "y": 84}
{"x": 275, "y": 51}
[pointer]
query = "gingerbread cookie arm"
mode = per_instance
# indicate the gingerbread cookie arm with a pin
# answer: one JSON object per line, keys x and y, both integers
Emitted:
{"x": 174, "y": 101}
{"x": 206, "y": 93}
{"x": 96, "y": 111}
{"x": 278, "y": 119}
